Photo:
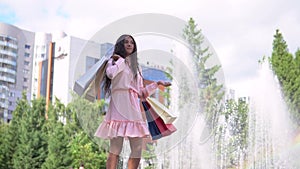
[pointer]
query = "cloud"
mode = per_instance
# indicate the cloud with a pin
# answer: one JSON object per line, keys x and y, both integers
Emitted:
{"x": 240, "y": 31}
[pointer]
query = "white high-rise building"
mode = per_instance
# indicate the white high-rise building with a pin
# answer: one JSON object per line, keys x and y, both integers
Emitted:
{"x": 42, "y": 65}
{"x": 40, "y": 57}
{"x": 16, "y": 51}
{"x": 72, "y": 58}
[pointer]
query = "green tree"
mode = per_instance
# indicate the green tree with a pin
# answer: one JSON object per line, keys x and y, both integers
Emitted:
{"x": 87, "y": 117}
{"x": 149, "y": 156}
{"x": 31, "y": 141}
{"x": 3, "y": 145}
{"x": 83, "y": 118}
{"x": 85, "y": 151}
{"x": 59, "y": 155}
{"x": 31, "y": 151}
{"x": 296, "y": 94}
{"x": 211, "y": 93}
{"x": 286, "y": 67}
{"x": 232, "y": 136}
{"x": 11, "y": 139}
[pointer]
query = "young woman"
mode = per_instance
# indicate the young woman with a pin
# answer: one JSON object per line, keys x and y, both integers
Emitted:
{"x": 124, "y": 119}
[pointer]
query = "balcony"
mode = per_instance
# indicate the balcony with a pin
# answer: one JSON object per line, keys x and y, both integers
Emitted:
{"x": 3, "y": 96}
{"x": 7, "y": 70}
{"x": 7, "y": 79}
{"x": 3, "y": 105}
{"x": 8, "y": 44}
{"x": 7, "y": 61}
{"x": 9, "y": 53}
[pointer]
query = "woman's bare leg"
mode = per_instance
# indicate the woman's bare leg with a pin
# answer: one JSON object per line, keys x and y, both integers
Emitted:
{"x": 115, "y": 149}
{"x": 136, "y": 152}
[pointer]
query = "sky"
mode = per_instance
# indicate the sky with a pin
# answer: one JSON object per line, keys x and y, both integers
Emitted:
{"x": 240, "y": 31}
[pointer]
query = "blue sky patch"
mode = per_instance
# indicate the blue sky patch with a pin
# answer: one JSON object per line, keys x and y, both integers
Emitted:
{"x": 61, "y": 12}
{"x": 7, "y": 15}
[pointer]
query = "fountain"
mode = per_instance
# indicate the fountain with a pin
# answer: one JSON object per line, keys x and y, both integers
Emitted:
{"x": 270, "y": 127}
{"x": 271, "y": 141}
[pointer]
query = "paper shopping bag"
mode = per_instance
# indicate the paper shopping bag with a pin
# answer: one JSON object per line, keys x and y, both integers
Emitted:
{"x": 161, "y": 110}
{"x": 156, "y": 125}
{"x": 89, "y": 83}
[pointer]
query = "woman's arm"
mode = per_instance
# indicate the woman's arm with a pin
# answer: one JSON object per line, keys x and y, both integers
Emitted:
{"x": 114, "y": 67}
{"x": 146, "y": 91}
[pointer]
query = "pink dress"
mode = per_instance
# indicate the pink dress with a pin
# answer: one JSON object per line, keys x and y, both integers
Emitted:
{"x": 124, "y": 117}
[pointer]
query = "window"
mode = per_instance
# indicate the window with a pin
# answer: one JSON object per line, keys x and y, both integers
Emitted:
{"x": 25, "y": 79}
{"x": 26, "y": 63}
{"x": 27, "y": 46}
{"x": 12, "y": 94}
{"x": 27, "y": 55}
{"x": 25, "y": 71}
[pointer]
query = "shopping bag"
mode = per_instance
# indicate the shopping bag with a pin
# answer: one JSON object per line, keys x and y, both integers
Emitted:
{"x": 161, "y": 110}
{"x": 157, "y": 127}
{"x": 89, "y": 83}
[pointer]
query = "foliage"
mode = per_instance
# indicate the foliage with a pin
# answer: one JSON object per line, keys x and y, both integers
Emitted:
{"x": 287, "y": 69}
{"x": 85, "y": 151}
{"x": 166, "y": 94}
{"x": 53, "y": 138}
{"x": 88, "y": 116}
{"x": 211, "y": 93}
{"x": 31, "y": 150}
{"x": 58, "y": 140}
{"x": 149, "y": 156}
{"x": 4, "y": 148}
{"x": 232, "y": 135}
{"x": 10, "y": 141}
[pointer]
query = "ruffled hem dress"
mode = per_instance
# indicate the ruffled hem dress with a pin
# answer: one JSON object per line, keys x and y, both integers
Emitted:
{"x": 124, "y": 117}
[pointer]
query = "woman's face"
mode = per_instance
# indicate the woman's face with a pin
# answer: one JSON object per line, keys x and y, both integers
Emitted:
{"x": 128, "y": 45}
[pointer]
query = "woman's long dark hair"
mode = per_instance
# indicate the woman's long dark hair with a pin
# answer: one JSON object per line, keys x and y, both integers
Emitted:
{"x": 120, "y": 50}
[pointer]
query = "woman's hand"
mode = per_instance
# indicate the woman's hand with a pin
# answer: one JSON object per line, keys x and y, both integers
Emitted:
{"x": 115, "y": 57}
{"x": 166, "y": 84}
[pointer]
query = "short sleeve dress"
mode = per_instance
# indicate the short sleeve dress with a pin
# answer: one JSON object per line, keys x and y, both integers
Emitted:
{"x": 124, "y": 117}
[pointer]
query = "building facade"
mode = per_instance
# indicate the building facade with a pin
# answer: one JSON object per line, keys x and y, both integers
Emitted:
{"x": 72, "y": 57}
{"x": 47, "y": 65}
{"x": 41, "y": 65}
{"x": 16, "y": 51}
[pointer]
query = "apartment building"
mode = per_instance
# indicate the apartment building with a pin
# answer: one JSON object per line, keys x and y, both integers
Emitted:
{"x": 16, "y": 51}
{"x": 47, "y": 65}
{"x": 72, "y": 57}
{"x": 41, "y": 65}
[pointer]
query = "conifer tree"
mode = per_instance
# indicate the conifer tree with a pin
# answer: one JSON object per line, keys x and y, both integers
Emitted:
{"x": 85, "y": 151}
{"x": 232, "y": 135}
{"x": 83, "y": 118}
{"x": 4, "y": 127}
{"x": 296, "y": 94}
{"x": 11, "y": 139}
{"x": 31, "y": 150}
{"x": 211, "y": 93}
{"x": 58, "y": 140}
{"x": 286, "y": 68}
